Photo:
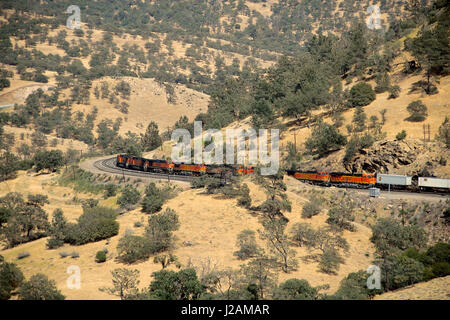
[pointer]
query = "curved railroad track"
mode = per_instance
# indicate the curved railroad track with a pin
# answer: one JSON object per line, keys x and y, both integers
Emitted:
{"x": 109, "y": 166}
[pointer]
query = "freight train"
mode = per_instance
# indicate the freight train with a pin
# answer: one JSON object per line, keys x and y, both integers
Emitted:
{"x": 380, "y": 180}
{"x": 339, "y": 179}
{"x": 170, "y": 167}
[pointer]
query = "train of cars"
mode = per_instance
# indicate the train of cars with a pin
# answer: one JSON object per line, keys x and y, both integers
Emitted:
{"x": 170, "y": 167}
{"x": 340, "y": 179}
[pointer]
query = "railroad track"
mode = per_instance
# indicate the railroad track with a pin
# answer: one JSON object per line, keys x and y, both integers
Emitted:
{"x": 109, "y": 165}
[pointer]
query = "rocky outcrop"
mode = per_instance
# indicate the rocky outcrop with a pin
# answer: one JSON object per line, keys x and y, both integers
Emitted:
{"x": 408, "y": 157}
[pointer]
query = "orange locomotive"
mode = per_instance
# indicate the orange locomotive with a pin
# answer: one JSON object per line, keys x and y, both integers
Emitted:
{"x": 335, "y": 178}
{"x": 320, "y": 177}
{"x": 361, "y": 180}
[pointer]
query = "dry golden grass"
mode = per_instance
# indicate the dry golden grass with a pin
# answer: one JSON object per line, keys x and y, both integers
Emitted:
{"x": 435, "y": 289}
{"x": 207, "y": 234}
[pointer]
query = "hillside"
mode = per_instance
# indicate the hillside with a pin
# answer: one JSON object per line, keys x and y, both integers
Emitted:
{"x": 346, "y": 95}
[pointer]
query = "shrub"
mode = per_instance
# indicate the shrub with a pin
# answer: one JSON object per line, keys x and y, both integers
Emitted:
{"x": 110, "y": 190}
{"x": 324, "y": 139}
{"x": 53, "y": 243}
{"x": 246, "y": 242}
{"x": 10, "y": 278}
{"x": 312, "y": 207}
{"x": 133, "y": 248}
{"x": 129, "y": 197}
{"x": 75, "y": 255}
{"x": 94, "y": 224}
{"x": 50, "y": 160}
{"x": 361, "y": 94}
{"x": 23, "y": 255}
{"x": 401, "y": 271}
{"x": 417, "y": 111}
{"x": 295, "y": 289}
{"x": 100, "y": 256}
{"x": 394, "y": 92}
{"x": 39, "y": 287}
{"x": 159, "y": 230}
{"x": 401, "y": 135}
{"x": 64, "y": 254}
{"x": 153, "y": 200}
{"x": 330, "y": 261}
{"x": 302, "y": 234}
{"x": 354, "y": 287}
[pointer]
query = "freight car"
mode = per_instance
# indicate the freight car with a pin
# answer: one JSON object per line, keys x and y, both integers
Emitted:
{"x": 393, "y": 181}
{"x": 437, "y": 184}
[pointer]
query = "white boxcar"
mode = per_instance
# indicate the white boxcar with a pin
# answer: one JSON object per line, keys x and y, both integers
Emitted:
{"x": 434, "y": 182}
{"x": 393, "y": 179}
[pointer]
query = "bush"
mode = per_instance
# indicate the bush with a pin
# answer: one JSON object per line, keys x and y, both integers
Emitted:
{"x": 401, "y": 271}
{"x": 53, "y": 243}
{"x": 330, "y": 261}
{"x": 302, "y": 234}
{"x": 75, "y": 255}
{"x": 295, "y": 289}
{"x": 39, "y": 287}
{"x": 23, "y": 255}
{"x": 312, "y": 207}
{"x": 417, "y": 111}
{"x": 246, "y": 242}
{"x": 324, "y": 139}
{"x": 394, "y": 92}
{"x": 357, "y": 143}
{"x": 50, "y": 160}
{"x": 159, "y": 230}
{"x": 361, "y": 94}
{"x": 110, "y": 190}
{"x": 129, "y": 197}
{"x": 10, "y": 278}
{"x": 401, "y": 135}
{"x": 153, "y": 200}
{"x": 94, "y": 224}
{"x": 354, "y": 287}
{"x": 100, "y": 256}
{"x": 64, "y": 254}
{"x": 133, "y": 248}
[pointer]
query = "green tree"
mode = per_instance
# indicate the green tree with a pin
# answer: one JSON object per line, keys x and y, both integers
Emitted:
{"x": 57, "y": 230}
{"x": 125, "y": 283}
{"x": 171, "y": 285}
{"x": 248, "y": 247}
{"x": 50, "y": 160}
{"x": 132, "y": 249}
{"x": 324, "y": 139}
{"x": 39, "y": 287}
{"x": 296, "y": 289}
{"x": 160, "y": 228}
{"x": 10, "y": 279}
{"x": 129, "y": 197}
{"x": 444, "y": 132}
{"x": 279, "y": 243}
{"x": 390, "y": 237}
{"x": 151, "y": 140}
{"x": 432, "y": 48}
{"x": 361, "y": 94}
{"x": 417, "y": 111}
{"x": 258, "y": 273}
